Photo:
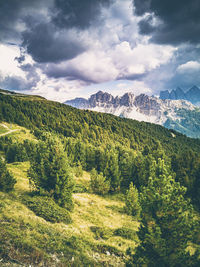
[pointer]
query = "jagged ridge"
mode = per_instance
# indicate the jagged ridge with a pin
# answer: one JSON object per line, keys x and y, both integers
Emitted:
{"x": 165, "y": 112}
{"x": 192, "y": 95}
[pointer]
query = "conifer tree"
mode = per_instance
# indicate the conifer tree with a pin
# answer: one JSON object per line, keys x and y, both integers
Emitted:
{"x": 168, "y": 221}
{"x": 98, "y": 183}
{"x": 7, "y": 181}
{"x": 50, "y": 172}
{"x": 112, "y": 170}
{"x": 132, "y": 206}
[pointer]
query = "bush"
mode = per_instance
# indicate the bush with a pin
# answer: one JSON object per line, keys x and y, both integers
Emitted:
{"x": 79, "y": 188}
{"x": 101, "y": 232}
{"x": 126, "y": 233}
{"x": 132, "y": 206}
{"x": 7, "y": 181}
{"x": 46, "y": 208}
{"x": 78, "y": 171}
{"x": 98, "y": 183}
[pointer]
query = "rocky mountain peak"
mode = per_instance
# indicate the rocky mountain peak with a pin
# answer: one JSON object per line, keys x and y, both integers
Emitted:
{"x": 127, "y": 99}
{"x": 100, "y": 97}
{"x": 192, "y": 95}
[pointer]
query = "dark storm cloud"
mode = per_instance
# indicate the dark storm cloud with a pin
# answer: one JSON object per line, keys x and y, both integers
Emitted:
{"x": 52, "y": 41}
{"x": 31, "y": 24}
{"x": 45, "y": 43}
{"x": 133, "y": 77}
{"x": 179, "y": 20}
{"x": 31, "y": 73}
{"x": 12, "y": 13}
{"x": 76, "y": 13}
{"x": 17, "y": 83}
{"x": 69, "y": 72}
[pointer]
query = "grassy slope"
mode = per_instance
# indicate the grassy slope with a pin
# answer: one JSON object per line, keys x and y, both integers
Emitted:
{"x": 26, "y": 238}
{"x": 19, "y": 133}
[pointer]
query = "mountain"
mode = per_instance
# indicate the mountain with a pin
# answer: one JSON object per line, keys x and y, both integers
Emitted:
{"x": 192, "y": 95}
{"x": 172, "y": 114}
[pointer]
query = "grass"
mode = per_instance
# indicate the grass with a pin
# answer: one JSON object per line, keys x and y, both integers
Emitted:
{"x": 29, "y": 239}
{"x": 19, "y": 171}
{"x": 19, "y": 134}
{"x": 3, "y": 130}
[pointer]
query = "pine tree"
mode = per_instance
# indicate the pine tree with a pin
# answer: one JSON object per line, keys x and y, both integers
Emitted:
{"x": 111, "y": 171}
{"x": 132, "y": 206}
{"x": 168, "y": 221}
{"x": 126, "y": 163}
{"x": 50, "y": 172}
{"x": 7, "y": 181}
{"x": 98, "y": 183}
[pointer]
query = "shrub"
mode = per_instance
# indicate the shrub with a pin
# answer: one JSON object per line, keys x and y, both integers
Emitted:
{"x": 98, "y": 183}
{"x": 79, "y": 188}
{"x": 132, "y": 206}
{"x": 7, "y": 181}
{"x": 126, "y": 233}
{"x": 101, "y": 232}
{"x": 78, "y": 170}
{"x": 46, "y": 208}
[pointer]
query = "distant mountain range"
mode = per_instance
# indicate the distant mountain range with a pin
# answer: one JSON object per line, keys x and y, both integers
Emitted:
{"x": 192, "y": 95}
{"x": 180, "y": 115}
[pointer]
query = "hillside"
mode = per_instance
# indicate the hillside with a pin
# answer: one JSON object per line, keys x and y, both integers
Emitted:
{"x": 34, "y": 112}
{"x": 97, "y": 235}
{"x": 60, "y": 142}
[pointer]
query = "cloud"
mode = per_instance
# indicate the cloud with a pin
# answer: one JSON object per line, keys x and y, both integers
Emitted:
{"x": 16, "y": 83}
{"x": 190, "y": 66}
{"x": 69, "y": 44}
{"x": 46, "y": 43}
{"x": 76, "y": 13}
{"x": 90, "y": 67}
{"x": 121, "y": 62}
{"x": 13, "y": 13}
{"x": 179, "y": 21}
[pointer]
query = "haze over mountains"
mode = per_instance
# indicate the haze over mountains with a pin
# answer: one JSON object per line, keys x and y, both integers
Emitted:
{"x": 171, "y": 113}
{"x": 192, "y": 95}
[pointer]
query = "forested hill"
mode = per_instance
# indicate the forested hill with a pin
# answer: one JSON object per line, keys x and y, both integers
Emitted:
{"x": 36, "y": 112}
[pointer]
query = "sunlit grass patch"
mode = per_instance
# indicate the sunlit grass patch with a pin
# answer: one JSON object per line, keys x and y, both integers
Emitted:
{"x": 31, "y": 236}
{"x": 19, "y": 171}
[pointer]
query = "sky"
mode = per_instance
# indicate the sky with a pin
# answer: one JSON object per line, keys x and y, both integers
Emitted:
{"x": 62, "y": 49}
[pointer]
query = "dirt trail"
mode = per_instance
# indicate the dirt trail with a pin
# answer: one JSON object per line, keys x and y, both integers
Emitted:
{"x": 10, "y": 131}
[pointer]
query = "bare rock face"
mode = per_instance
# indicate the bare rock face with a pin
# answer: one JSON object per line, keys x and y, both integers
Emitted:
{"x": 127, "y": 100}
{"x": 147, "y": 105}
{"x": 100, "y": 97}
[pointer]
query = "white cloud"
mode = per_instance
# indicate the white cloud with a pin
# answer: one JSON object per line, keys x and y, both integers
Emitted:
{"x": 8, "y": 64}
{"x": 189, "y": 66}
